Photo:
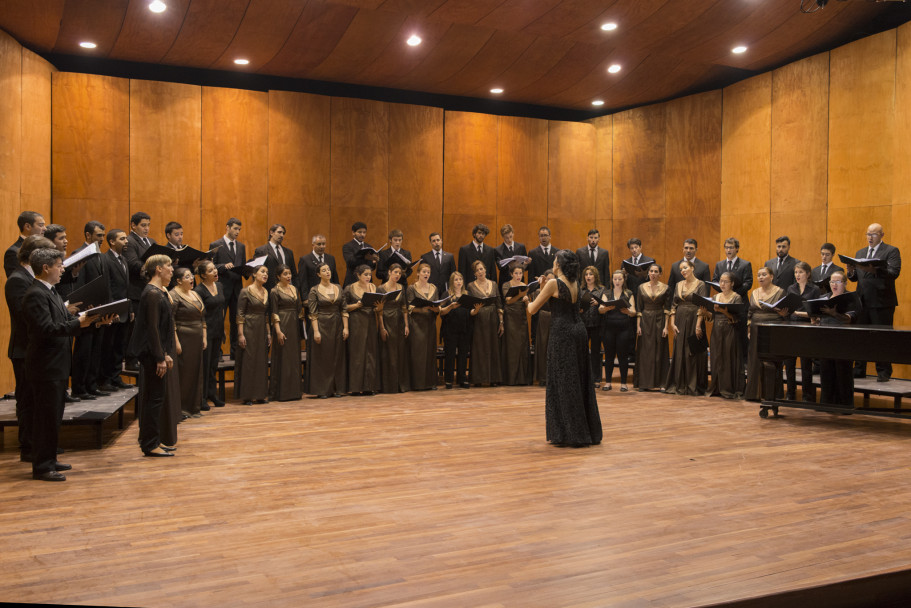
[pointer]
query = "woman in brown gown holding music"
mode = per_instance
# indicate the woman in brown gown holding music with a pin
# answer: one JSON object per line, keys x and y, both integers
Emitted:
{"x": 285, "y": 373}
{"x": 251, "y": 370}
{"x": 486, "y": 331}
{"x": 516, "y": 364}
{"x": 395, "y": 358}
{"x": 760, "y": 373}
{"x": 190, "y": 321}
{"x": 651, "y": 326}
{"x": 213, "y": 298}
{"x": 363, "y": 336}
{"x": 688, "y": 374}
{"x": 542, "y": 331}
{"x": 423, "y": 338}
{"x": 727, "y": 355}
{"x": 328, "y": 332}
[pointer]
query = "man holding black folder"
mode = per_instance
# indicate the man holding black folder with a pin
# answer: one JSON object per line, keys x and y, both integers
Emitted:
{"x": 507, "y": 249}
{"x": 394, "y": 255}
{"x": 821, "y": 274}
{"x": 637, "y": 259}
{"x": 356, "y": 252}
{"x": 87, "y": 349}
{"x": 113, "y": 337}
{"x": 442, "y": 263}
{"x": 276, "y": 254}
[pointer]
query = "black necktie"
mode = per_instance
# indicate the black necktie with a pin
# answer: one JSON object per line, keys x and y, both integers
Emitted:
{"x": 321, "y": 260}
{"x": 730, "y": 265}
{"x": 479, "y": 249}
{"x": 591, "y": 253}
{"x": 233, "y": 253}
{"x": 146, "y": 241}
{"x": 824, "y": 267}
{"x": 547, "y": 251}
{"x": 872, "y": 250}
{"x": 779, "y": 263}
{"x": 438, "y": 257}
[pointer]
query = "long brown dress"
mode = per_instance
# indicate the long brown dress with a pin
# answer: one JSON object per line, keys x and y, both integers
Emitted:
{"x": 485, "y": 343}
{"x": 688, "y": 374}
{"x": 171, "y": 409}
{"x": 422, "y": 339}
{"x": 395, "y": 358}
{"x": 363, "y": 345}
{"x": 542, "y": 337}
{"x": 758, "y": 371}
{"x": 326, "y": 360}
{"x": 727, "y": 354}
{"x": 285, "y": 373}
{"x": 516, "y": 364}
{"x": 190, "y": 321}
{"x": 251, "y": 370}
{"x": 652, "y": 349}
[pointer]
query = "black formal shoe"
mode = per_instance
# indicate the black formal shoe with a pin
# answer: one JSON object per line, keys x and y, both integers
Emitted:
{"x": 606, "y": 387}
{"x": 59, "y": 466}
{"x": 623, "y": 389}
{"x": 205, "y": 407}
{"x": 448, "y": 385}
{"x": 25, "y": 457}
{"x": 68, "y": 398}
{"x": 99, "y": 393}
{"x": 247, "y": 403}
{"x": 322, "y": 396}
{"x": 217, "y": 402}
{"x": 337, "y": 395}
{"x": 157, "y": 454}
{"x": 433, "y": 388}
{"x": 859, "y": 373}
{"x": 120, "y": 384}
{"x": 49, "y": 476}
{"x": 465, "y": 385}
{"x": 85, "y": 397}
{"x": 790, "y": 397}
{"x": 107, "y": 388}
{"x": 882, "y": 378}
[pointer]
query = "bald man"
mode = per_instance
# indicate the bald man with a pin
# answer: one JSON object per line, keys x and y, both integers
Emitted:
{"x": 876, "y": 286}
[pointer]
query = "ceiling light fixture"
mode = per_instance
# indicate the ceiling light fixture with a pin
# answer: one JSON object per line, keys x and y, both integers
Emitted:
{"x": 496, "y": 91}
{"x": 87, "y": 45}
{"x": 614, "y": 68}
{"x": 739, "y": 49}
{"x": 609, "y": 27}
{"x": 241, "y": 61}
{"x": 414, "y": 40}
{"x": 158, "y": 6}
{"x": 598, "y": 102}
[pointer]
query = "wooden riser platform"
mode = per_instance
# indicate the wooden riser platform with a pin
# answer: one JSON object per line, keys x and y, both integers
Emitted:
{"x": 453, "y": 498}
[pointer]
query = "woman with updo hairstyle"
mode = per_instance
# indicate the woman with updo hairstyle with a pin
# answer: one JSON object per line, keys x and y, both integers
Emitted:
{"x": 423, "y": 338}
{"x": 286, "y": 311}
{"x": 763, "y": 377}
{"x": 251, "y": 371}
{"x": 328, "y": 332}
{"x": 190, "y": 321}
{"x": 592, "y": 290}
{"x": 805, "y": 288}
{"x": 363, "y": 335}
{"x": 727, "y": 350}
{"x": 487, "y": 321}
{"x": 651, "y": 327}
{"x": 571, "y": 408}
{"x": 516, "y": 357}
{"x": 395, "y": 358}
{"x": 213, "y": 298}
{"x": 152, "y": 343}
{"x": 688, "y": 374}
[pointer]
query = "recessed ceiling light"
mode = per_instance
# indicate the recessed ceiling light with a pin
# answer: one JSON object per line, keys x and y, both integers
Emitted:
{"x": 87, "y": 45}
{"x": 614, "y": 68}
{"x": 157, "y": 6}
{"x": 496, "y": 91}
{"x": 414, "y": 40}
{"x": 241, "y": 61}
{"x": 609, "y": 27}
{"x": 598, "y": 102}
{"x": 739, "y": 49}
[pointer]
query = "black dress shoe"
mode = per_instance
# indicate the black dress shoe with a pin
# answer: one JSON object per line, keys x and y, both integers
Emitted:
{"x": 108, "y": 388}
{"x": 49, "y": 476}
{"x": 205, "y": 407}
{"x": 218, "y": 402}
{"x": 59, "y": 466}
{"x": 157, "y": 454}
{"x": 448, "y": 385}
{"x": 168, "y": 448}
{"x": 337, "y": 395}
{"x": 120, "y": 384}
{"x": 85, "y": 397}
{"x": 465, "y": 385}
{"x": 882, "y": 378}
{"x": 68, "y": 398}
{"x": 247, "y": 403}
{"x": 99, "y": 393}
{"x": 433, "y": 388}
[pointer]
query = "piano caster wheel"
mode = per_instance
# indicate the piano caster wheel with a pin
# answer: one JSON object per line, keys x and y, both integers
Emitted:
{"x": 764, "y": 412}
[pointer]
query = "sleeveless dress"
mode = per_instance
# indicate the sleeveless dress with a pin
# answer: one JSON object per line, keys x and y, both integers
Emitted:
{"x": 571, "y": 408}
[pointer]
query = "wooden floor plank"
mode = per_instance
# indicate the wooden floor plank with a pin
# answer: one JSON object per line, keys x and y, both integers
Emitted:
{"x": 453, "y": 498}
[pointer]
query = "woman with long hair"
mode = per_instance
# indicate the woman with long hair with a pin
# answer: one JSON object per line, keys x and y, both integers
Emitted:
{"x": 423, "y": 338}
{"x": 592, "y": 290}
{"x": 763, "y": 377}
{"x": 516, "y": 365}
{"x": 455, "y": 331}
{"x": 617, "y": 330}
{"x": 807, "y": 291}
{"x": 487, "y": 321}
{"x": 363, "y": 343}
{"x": 190, "y": 321}
{"x": 213, "y": 298}
{"x": 727, "y": 355}
{"x": 651, "y": 327}
{"x": 328, "y": 331}
{"x": 286, "y": 309}
{"x": 542, "y": 331}
{"x": 395, "y": 358}
{"x": 251, "y": 371}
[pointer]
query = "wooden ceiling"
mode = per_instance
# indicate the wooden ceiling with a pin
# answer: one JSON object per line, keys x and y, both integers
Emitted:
{"x": 543, "y": 52}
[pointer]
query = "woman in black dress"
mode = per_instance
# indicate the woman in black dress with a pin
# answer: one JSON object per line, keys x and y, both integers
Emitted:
{"x": 487, "y": 328}
{"x": 592, "y": 291}
{"x": 151, "y": 341}
{"x": 190, "y": 320}
{"x": 807, "y": 291}
{"x": 395, "y": 357}
{"x": 363, "y": 336}
{"x": 617, "y": 330}
{"x": 516, "y": 365}
{"x": 213, "y": 298}
{"x": 253, "y": 340}
{"x": 836, "y": 382}
{"x": 571, "y": 408}
{"x": 329, "y": 330}
{"x": 286, "y": 309}
{"x": 455, "y": 330}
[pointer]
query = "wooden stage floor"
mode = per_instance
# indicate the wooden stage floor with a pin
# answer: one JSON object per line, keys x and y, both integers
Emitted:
{"x": 453, "y": 498}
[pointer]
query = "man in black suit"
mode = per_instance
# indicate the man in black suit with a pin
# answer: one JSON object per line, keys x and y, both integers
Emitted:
{"x": 113, "y": 337}
{"x": 741, "y": 269}
{"x": 477, "y": 250}
{"x": 231, "y": 253}
{"x": 308, "y": 267}
{"x": 702, "y": 271}
{"x": 542, "y": 256}
{"x": 783, "y": 264}
{"x": 173, "y": 233}
{"x": 29, "y": 222}
{"x": 876, "y": 286}
{"x": 505, "y": 250}
{"x": 827, "y": 267}
{"x": 87, "y": 353}
{"x": 47, "y": 360}
{"x": 442, "y": 264}
{"x": 57, "y": 235}
{"x": 139, "y": 241}
{"x": 276, "y": 254}
{"x": 595, "y": 255}
{"x": 351, "y": 251}
{"x": 633, "y": 281}
{"x": 390, "y": 256}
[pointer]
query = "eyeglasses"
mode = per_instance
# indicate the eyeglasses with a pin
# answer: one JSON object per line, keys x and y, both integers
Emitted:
{"x": 836, "y": 281}
{"x": 872, "y": 234}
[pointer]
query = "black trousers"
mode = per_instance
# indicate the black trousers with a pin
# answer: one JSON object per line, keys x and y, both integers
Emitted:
{"x": 617, "y": 337}
{"x": 877, "y": 316}
{"x": 87, "y": 357}
{"x": 151, "y": 396}
{"x": 46, "y": 414}
{"x": 23, "y": 407}
{"x": 210, "y": 358}
{"x": 836, "y": 382}
{"x": 113, "y": 346}
{"x": 594, "y": 351}
{"x": 806, "y": 378}
{"x": 455, "y": 348}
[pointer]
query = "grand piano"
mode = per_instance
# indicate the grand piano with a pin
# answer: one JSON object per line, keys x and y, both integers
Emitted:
{"x": 777, "y": 341}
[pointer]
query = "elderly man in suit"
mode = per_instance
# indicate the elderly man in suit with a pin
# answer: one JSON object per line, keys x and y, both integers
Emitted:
{"x": 442, "y": 264}
{"x": 113, "y": 337}
{"x": 230, "y": 254}
{"x": 392, "y": 255}
{"x": 505, "y": 250}
{"x": 783, "y": 264}
{"x": 276, "y": 254}
{"x": 700, "y": 268}
{"x": 30, "y": 223}
{"x": 87, "y": 350}
{"x": 876, "y": 286}
{"x": 595, "y": 255}
{"x": 477, "y": 250}
{"x": 827, "y": 267}
{"x": 353, "y": 252}
{"x": 308, "y": 266}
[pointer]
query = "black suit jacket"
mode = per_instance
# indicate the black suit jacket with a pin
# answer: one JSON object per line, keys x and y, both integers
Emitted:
{"x": 353, "y": 260}
{"x": 118, "y": 279}
{"x": 383, "y": 264}
{"x": 231, "y": 281}
{"x": 308, "y": 277}
{"x": 501, "y": 253}
{"x": 632, "y": 281}
{"x": 17, "y": 283}
{"x": 272, "y": 262}
{"x": 467, "y": 256}
{"x": 133, "y": 255}
{"x": 784, "y": 278}
{"x": 440, "y": 273}
{"x": 817, "y": 275}
{"x": 49, "y": 329}
{"x": 877, "y": 289}
{"x": 10, "y": 257}
{"x": 540, "y": 262}
{"x": 743, "y": 276}
{"x": 702, "y": 271}
{"x": 602, "y": 262}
